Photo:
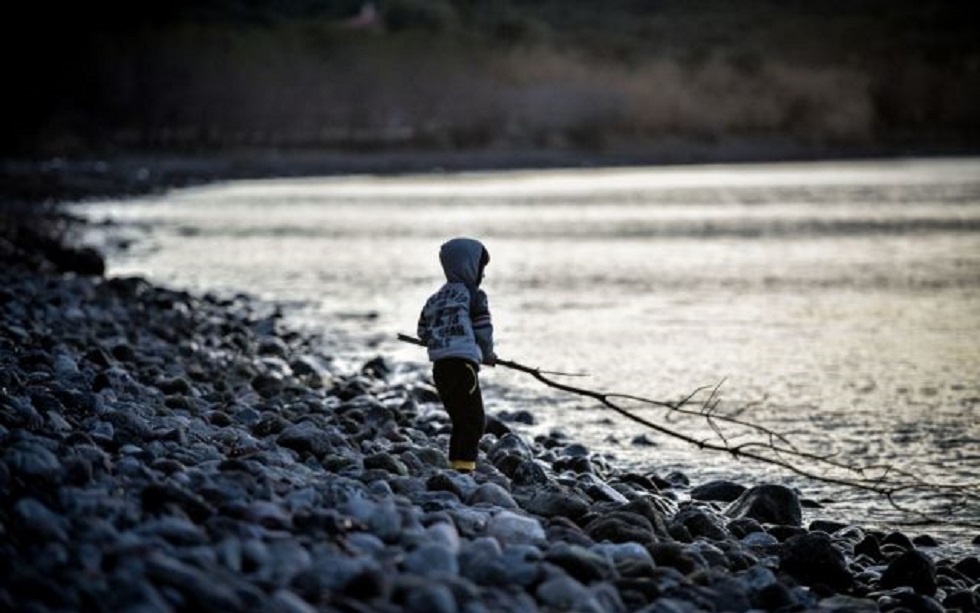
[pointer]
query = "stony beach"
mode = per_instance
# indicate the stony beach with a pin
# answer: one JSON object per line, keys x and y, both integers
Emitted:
{"x": 163, "y": 451}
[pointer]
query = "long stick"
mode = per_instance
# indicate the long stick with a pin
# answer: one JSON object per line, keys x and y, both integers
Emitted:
{"x": 878, "y": 485}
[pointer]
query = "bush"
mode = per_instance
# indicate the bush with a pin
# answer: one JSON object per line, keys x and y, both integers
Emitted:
{"x": 434, "y": 16}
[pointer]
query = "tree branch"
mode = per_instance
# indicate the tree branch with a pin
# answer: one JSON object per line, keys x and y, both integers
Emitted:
{"x": 775, "y": 449}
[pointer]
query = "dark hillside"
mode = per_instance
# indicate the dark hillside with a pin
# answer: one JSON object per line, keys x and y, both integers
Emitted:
{"x": 621, "y": 75}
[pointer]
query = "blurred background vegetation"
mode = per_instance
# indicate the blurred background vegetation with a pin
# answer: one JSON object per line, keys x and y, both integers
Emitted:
{"x": 450, "y": 75}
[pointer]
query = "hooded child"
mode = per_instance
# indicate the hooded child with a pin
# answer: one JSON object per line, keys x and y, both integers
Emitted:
{"x": 456, "y": 329}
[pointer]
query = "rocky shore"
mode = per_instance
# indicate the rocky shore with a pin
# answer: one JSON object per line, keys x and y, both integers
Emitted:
{"x": 162, "y": 451}
{"x": 169, "y": 452}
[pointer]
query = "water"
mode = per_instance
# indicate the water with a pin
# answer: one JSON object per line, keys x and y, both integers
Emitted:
{"x": 839, "y": 303}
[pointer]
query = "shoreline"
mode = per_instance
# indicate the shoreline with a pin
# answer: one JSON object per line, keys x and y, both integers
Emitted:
{"x": 55, "y": 179}
{"x": 168, "y": 452}
{"x": 176, "y": 452}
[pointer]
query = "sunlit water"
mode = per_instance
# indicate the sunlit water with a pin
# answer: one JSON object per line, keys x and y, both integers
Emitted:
{"x": 839, "y": 303}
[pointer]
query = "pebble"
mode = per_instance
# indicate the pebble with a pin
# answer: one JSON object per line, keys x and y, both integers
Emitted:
{"x": 167, "y": 452}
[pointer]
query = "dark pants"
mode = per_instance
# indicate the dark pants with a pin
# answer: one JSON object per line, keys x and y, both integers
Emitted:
{"x": 459, "y": 388}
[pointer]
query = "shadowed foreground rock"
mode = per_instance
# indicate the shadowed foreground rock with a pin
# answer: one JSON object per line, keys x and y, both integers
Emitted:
{"x": 164, "y": 452}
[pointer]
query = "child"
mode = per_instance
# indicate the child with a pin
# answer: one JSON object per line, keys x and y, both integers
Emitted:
{"x": 455, "y": 326}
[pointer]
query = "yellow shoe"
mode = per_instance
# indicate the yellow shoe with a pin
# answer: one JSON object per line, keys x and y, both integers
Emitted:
{"x": 462, "y": 466}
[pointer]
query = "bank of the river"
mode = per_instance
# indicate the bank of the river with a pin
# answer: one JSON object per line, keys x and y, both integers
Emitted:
{"x": 163, "y": 451}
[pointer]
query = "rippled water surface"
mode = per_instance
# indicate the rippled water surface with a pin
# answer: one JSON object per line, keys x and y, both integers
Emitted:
{"x": 839, "y": 303}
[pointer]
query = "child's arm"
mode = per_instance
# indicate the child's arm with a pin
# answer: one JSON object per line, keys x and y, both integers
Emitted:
{"x": 422, "y": 331}
{"x": 483, "y": 327}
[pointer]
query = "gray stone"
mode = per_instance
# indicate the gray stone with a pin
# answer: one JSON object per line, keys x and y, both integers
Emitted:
{"x": 29, "y": 460}
{"x": 445, "y": 534}
{"x": 911, "y": 569}
{"x": 430, "y": 598}
{"x": 813, "y": 559}
{"x": 40, "y": 522}
{"x": 201, "y": 590}
{"x": 175, "y": 530}
{"x": 621, "y": 527}
{"x": 770, "y": 503}
{"x": 432, "y": 559}
{"x": 623, "y": 553}
{"x": 702, "y": 522}
{"x": 599, "y": 490}
{"x": 580, "y": 563}
{"x": 306, "y": 437}
{"x": 478, "y": 557}
{"x": 509, "y": 445}
{"x": 492, "y": 494}
{"x": 509, "y": 528}
{"x": 552, "y": 500}
{"x": 286, "y": 601}
{"x": 720, "y": 490}
{"x": 566, "y": 594}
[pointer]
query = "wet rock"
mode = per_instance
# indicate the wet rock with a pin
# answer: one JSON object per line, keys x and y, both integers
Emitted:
{"x": 36, "y": 521}
{"x": 676, "y": 556}
{"x": 743, "y": 526}
{"x": 963, "y": 600}
{"x": 769, "y": 503}
{"x": 552, "y": 500}
{"x": 579, "y": 562}
{"x": 722, "y": 491}
{"x": 287, "y": 601}
{"x": 529, "y": 473}
{"x": 565, "y": 593}
{"x": 432, "y": 559}
{"x": 598, "y": 489}
{"x": 268, "y": 385}
{"x": 759, "y": 541}
{"x": 702, "y": 522}
{"x": 477, "y": 557}
{"x": 643, "y": 440}
{"x": 830, "y": 527}
{"x": 783, "y": 532}
{"x": 652, "y": 509}
{"x": 386, "y": 462}
{"x": 898, "y": 540}
{"x": 521, "y": 417}
{"x": 511, "y": 528}
{"x": 155, "y": 498}
{"x": 425, "y": 597}
{"x": 509, "y": 445}
{"x": 30, "y": 460}
{"x": 19, "y": 412}
{"x": 492, "y": 494}
{"x": 173, "y": 529}
{"x": 200, "y": 590}
{"x": 912, "y": 569}
{"x": 813, "y": 559}
{"x": 912, "y": 602}
{"x": 925, "y": 540}
{"x": 305, "y": 437}
{"x": 870, "y": 547}
{"x": 621, "y": 527}
{"x": 969, "y": 566}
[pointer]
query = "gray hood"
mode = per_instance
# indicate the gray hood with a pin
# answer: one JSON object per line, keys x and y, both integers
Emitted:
{"x": 461, "y": 258}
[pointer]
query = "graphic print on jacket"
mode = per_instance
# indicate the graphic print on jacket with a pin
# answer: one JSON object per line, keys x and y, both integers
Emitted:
{"x": 455, "y": 322}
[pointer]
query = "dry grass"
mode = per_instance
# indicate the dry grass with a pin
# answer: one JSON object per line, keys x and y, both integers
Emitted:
{"x": 211, "y": 87}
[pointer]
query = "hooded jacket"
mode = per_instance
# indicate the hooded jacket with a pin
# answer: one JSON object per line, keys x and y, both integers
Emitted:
{"x": 455, "y": 321}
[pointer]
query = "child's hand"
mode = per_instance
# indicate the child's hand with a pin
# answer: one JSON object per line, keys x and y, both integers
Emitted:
{"x": 490, "y": 360}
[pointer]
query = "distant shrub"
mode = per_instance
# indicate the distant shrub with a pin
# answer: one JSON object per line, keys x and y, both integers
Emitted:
{"x": 435, "y": 16}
